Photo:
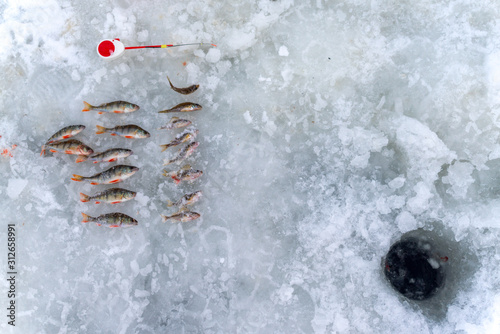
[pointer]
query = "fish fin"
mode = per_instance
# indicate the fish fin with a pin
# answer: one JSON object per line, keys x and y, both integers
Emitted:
{"x": 118, "y": 111}
{"x": 164, "y": 147}
{"x": 170, "y": 203}
{"x": 84, "y": 198}
{"x": 164, "y": 218}
{"x": 131, "y": 137}
{"x": 77, "y": 178}
{"x": 53, "y": 151}
{"x": 111, "y": 160}
{"x": 114, "y": 181}
{"x": 96, "y": 162}
{"x": 164, "y": 111}
{"x": 88, "y": 106}
{"x": 114, "y": 225}
{"x": 97, "y": 202}
{"x": 100, "y": 129}
{"x": 176, "y": 180}
{"x": 98, "y": 224}
{"x": 186, "y": 167}
{"x": 113, "y": 134}
{"x": 116, "y": 202}
{"x": 43, "y": 150}
{"x": 100, "y": 113}
{"x": 68, "y": 152}
{"x": 66, "y": 136}
{"x": 94, "y": 183}
{"x": 86, "y": 218}
{"x": 170, "y": 82}
{"x": 82, "y": 158}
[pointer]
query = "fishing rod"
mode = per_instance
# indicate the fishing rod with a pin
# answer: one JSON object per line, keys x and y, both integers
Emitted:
{"x": 113, "y": 48}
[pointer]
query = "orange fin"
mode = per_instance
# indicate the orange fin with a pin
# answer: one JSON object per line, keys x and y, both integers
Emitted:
{"x": 84, "y": 198}
{"x": 66, "y": 136}
{"x": 53, "y": 151}
{"x": 111, "y": 160}
{"x": 100, "y": 129}
{"x": 81, "y": 158}
{"x": 116, "y": 202}
{"x": 129, "y": 137}
{"x": 86, "y": 218}
{"x": 113, "y": 134}
{"x": 94, "y": 183}
{"x": 114, "y": 181}
{"x": 87, "y": 106}
{"x": 100, "y": 113}
{"x": 114, "y": 225}
{"x": 118, "y": 111}
{"x": 97, "y": 202}
{"x": 77, "y": 178}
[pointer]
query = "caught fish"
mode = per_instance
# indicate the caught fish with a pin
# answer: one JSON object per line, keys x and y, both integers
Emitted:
{"x": 64, "y": 133}
{"x": 127, "y": 131}
{"x": 115, "y": 219}
{"x": 182, "y": 216}
{"x": 183, "y": 107}
{"x": 183, "y": 154}
{"x": 184, "y": 91}
{"x": 109, "y": 196}
{"x": 110, "y": 155}
{"x": 117, "y": 107}
{"x": 71, "y": 146}
{"x": 186, "y": 200}
{"x": 114, "y": 174}
{"x": 175, "y": 123}
{"x": 181, "y": 138}
{"x": 186, "y": 173}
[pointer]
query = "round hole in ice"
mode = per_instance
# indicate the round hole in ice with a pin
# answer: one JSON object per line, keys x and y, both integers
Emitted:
{"x": 106, "y": 48}
{"x": 413, "y": 268}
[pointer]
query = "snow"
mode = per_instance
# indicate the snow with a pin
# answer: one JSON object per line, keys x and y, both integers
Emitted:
{"x": 328, "y": 131}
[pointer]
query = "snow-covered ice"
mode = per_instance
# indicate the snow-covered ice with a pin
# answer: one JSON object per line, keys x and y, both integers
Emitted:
{"x": 329, "y": 129}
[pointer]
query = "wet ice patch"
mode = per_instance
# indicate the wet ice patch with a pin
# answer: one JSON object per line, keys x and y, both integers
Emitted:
{"x": 15, "y": 187}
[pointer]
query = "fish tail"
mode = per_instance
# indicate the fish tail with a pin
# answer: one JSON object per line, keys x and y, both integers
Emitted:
{"x": 100, "y": 129}
{"x": 77, "y": 177}
{"x": 169, "y": 203}
{"x": 86, "y": 218}
{"x": 84, "y": 198}
{"x": 43, "y": 150}
{"x": 88, "y": 106}
{"x": 81, "y": 158}
{"x": 170, "y": 82}
{"x": 164, "y": 218}
{"x": 166, "y": 174}
{"x": 164, "y": 147}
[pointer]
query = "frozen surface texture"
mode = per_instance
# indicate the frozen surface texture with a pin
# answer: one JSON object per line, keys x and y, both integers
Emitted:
{"x": 328, "y": 130}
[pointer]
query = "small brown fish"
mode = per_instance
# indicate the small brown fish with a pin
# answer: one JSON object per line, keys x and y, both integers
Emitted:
{"x": 110, "y": 196}
{"x": 117, "y": 107}
{"x": 175, "y": 123}
{"x": 182, "y": 107}
{"x": 184, "y": 91}
{"x": 127, "y": 131}
{"x": 183, "y": 153}
{"x": 64, "y": 133}
{"x": 112, "y": 175}
{"x": 182, "y": 216}
{"x": 71, "y": 146}
{"x": 186, "y": 200}
{"x": 181, "y": 138}
{"x": 115, "y": 219}
{"x": 186, "y": 173}
{"x": 110, "y": 155}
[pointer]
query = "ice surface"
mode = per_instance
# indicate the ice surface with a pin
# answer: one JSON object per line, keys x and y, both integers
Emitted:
{"x": 328, "y": 130}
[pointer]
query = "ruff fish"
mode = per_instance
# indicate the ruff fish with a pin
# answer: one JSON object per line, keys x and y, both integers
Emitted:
{"x": 183, "y": 107}
{"x": 186, "y": 200}
{"x": 186, "y": 173}
{"x": 109, "y": 196}
{"x": 110, "y": 155}
{"x": 182, "y": 216}
{"x": 117, "y": 107}
{"x": 183, "y": 154}
{"x": 64, "y": 133}
{"x": 113, "y": 175}
{"x": 115, "y": 219}
{"x": 71, "y": 146}
{"x": 184, "y": 91}
{"x": 128, "y": 131}
{"x": 181, "y": 138}
{"x": 175, "y": 123}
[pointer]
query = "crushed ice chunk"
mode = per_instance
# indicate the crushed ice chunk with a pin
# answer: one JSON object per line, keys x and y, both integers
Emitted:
{"x": 283, "y": 51}
{"x": 15, "y": 187}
